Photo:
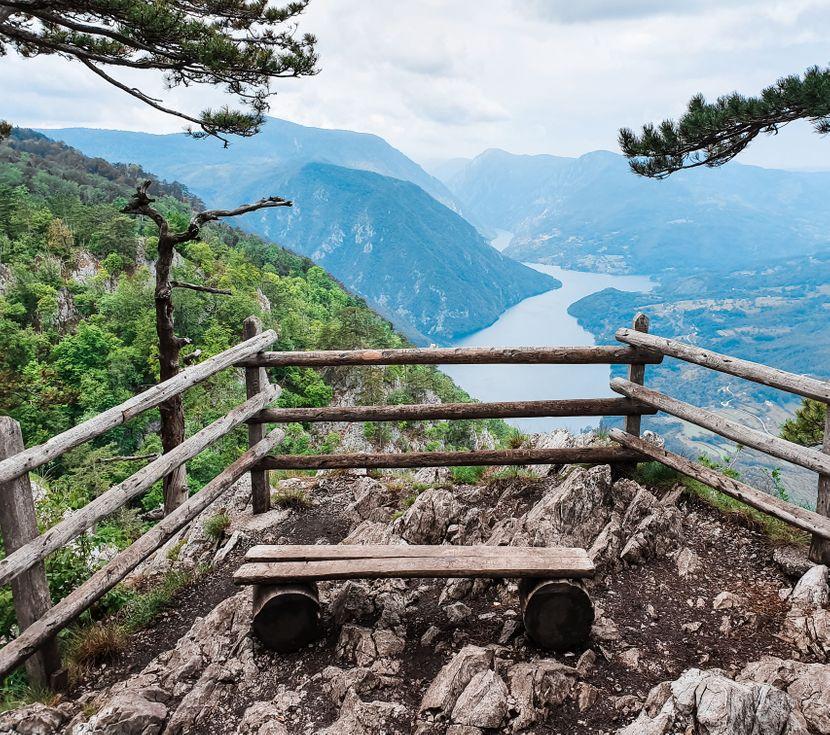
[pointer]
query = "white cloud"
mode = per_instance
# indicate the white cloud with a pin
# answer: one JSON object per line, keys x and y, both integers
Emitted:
{"x": 445, "y": 78}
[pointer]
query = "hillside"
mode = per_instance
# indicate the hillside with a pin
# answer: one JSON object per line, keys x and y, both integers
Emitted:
{"x": 592, "y": 213}
{"x": 352, "y": 185}
{"x": 77, "y": 336}
{"x": 697, "y": 629}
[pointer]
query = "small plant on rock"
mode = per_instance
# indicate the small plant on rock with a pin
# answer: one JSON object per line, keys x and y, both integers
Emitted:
{"x": 216, "y": 525}
{"x": 292, "y": 497}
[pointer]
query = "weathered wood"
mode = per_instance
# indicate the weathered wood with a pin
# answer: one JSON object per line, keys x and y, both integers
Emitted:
{"x": 592, "y": 355}
{"x": 61, "y": 614}
{"x": 820, "y": 547}
{"x": 772, "y": 445}
{"x": 321, "y": 552}
{"x": 111, "y": 500}
{"x": 511, "y": 563}
{"x": 449, "y": 411}
{"x": 557, "y": 613}
{"x": 564, "y": 455}
{"x": 256, "y": 379}
{"x": 286, "y": 616}
{"x": 33, "y": 457}
{"x": 636, "y": 374}
{"x": 792, "y": 514}
{"x": 30, "y": 591}
{"x": 799, "y": 384}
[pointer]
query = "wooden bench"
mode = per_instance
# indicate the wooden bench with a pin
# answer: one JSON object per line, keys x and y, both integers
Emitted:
{"x": 556, "y": 609}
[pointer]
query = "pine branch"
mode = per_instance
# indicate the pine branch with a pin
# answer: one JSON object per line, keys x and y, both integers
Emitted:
{"x": 198, "y": 287}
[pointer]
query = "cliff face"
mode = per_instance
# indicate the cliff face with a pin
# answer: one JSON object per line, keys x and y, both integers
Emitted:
{"x": 697, "y": 628}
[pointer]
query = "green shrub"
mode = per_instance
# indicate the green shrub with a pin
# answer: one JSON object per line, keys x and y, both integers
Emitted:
{"x": 215, "y": 526}
{"x": 468, "y": 475}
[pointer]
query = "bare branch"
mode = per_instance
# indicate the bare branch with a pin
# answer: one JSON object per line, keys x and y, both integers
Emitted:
{"x": 199, "y": 287}
{"x": 212, "y": 215}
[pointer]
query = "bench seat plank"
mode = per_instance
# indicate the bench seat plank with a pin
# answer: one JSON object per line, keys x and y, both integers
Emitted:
{"x": 513, "y": 564}
{"x": 318, "y": 552}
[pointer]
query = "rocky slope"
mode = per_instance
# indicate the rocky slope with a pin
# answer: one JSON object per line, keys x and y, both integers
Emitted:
{"x": 698, "y": 629}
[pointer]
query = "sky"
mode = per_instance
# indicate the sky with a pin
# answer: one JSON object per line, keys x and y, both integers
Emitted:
{"x": 441, "y": 79}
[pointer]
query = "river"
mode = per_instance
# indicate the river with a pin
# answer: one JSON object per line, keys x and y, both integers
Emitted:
{"x": 539, "y": 321}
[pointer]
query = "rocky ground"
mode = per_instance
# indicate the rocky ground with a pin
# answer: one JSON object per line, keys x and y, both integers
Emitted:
{"x": 702, "y": 625}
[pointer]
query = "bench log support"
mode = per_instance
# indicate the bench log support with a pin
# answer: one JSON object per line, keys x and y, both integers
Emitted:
{"x": 557, "y": 613}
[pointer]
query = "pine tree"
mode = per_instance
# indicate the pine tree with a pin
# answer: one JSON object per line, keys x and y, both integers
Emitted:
{"x": 240, "y": 45}
{"x": 712, "y": 133}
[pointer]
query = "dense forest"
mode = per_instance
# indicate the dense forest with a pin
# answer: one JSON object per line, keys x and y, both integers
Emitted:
{"x": 77, "y": 335}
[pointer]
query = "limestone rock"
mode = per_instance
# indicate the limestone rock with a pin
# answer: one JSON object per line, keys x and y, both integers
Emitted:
{"x": 792, "y": 560}
{"x": 808, "y": 685}
{"x": 807, "y": 624}
{"x": 428, "y": 518}
{"x": 483, "y": 703}
{"x": 367, "y": 718}
{"x": 688, "y": 563}
{"x": 132, "y": 712}
{"x": 537, "y": 687}
{"x": 364, "y": 646}
{"x": 446, "y": 687}
{"x": 262, "y": 718}
{"x": 709, "y": 702}
{"x": 36, "y": 719}
{"x": 351, "y": 603}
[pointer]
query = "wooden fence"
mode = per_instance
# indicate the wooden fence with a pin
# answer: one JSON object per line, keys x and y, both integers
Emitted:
{"x": 818, "y": 523}
{"x": 26, "y": 549}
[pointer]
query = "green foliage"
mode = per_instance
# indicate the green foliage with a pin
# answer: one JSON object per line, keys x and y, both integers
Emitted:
{"x": 215, "y": 526}
{"x": 712, "y": 133}
{"x": 468, "y": 475}
{"x": 240, "y": 46}
{"x": 293, "y": 498}
{"x": 807, "y": 428}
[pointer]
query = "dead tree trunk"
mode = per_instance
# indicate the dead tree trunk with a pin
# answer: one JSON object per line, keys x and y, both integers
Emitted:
{"x": 172, "y": 410}
{"x": 170, "y": 345}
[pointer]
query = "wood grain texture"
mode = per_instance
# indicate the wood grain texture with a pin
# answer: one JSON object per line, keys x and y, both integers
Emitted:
{"x": 763, "y": 442}
{"x": 33, "y": 457}
{"x": 65, "y": 611}
{"x": 636, "y": 374}
{"x": 256, "y": 380}
{"x": 820, "y": 547}
{"x": 108, "y": 502}
{"x": 593, "y": 355}
{"x": 318, "y": 552}
{"x": 449, "y": 411}
{"x": 792, "y": 514}
{"x": 30, "y": 591}
{"x": 564, "y": 455}
{"x": 799, "y": 384}
{"x": 510, "y": 564}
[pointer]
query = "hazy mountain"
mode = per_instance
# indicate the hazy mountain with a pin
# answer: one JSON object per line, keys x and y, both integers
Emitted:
{"x": 593, "y": 213}
{"x": 214, "y": 172}
{"x": 374, "y": 219}
{"x": 421, "y": 265}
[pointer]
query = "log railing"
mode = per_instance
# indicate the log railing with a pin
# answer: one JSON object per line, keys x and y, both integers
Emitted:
{"x": 819, "y": 461}
{"x": 26, "y": 549}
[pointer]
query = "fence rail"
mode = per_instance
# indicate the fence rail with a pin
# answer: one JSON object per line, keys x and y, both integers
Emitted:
{"x": 448, "y": 411}
{"x": 591, "y": 355}
{"x": 802, "y": 385}
{"x": 27, "y": 549}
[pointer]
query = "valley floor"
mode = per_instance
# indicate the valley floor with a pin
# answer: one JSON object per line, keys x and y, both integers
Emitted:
{"x": 683, "y": 595}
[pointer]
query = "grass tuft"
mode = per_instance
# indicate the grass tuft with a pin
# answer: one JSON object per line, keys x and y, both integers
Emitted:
{"x": 293, "y": 498}
{"x": 94, "y": 645}
{"x": 215, "y": 526}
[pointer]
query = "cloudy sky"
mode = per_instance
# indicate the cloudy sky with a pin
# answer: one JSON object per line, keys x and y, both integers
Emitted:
{"x": 446, "y": 78}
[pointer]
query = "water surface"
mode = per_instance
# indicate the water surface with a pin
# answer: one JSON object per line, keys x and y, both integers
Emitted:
{"x": 543, "y": 320}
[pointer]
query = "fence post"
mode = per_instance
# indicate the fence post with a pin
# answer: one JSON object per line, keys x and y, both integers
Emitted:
{"x": 30, "y": 591}
{"x": 636, "y": 374}
{"x": 820, "y": 548}
{"x": 256, "y": 379}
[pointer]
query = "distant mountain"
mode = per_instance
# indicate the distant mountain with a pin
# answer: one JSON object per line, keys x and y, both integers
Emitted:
{"x": 415, "y": 261}
{"x": 214, "y": 172}
{"x": 592, "y": 213}
{"x": 362, "y": 209}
